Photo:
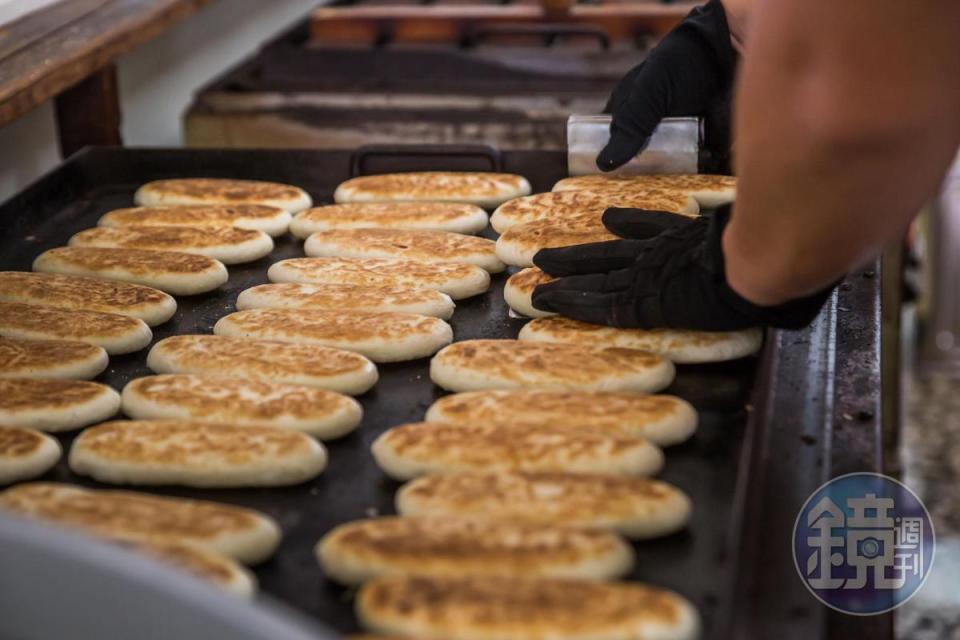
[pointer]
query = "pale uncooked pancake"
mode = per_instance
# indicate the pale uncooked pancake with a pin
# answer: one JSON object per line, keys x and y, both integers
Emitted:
{"x": 636, "y": 507}
{"x": 518, "y": 245}
{"x": 177, "y": 273}
{"x": 456, "y": 280}
{"x": 55, "y": 405}
{"x": 25, "y": 454}
{"x": 242, "y": 534}
{"x": 663, "y": 420}
{"x": 264, "y": 360}
{"x": 382, "y": 337}
{"x": 229, "y": 245}
{"x": 347, "y": 297}
{"x": 214, "y": 568}
{"x": 708, "y": 190}
{"x": 50, "y": 359}
{"x": 87, "y": 294}
{"x": 273, "y": 221}
{"x": 473, "y": 365}
{"x": 115, "y": 333}
{"x": 484, "y": 189}
{"x": 518, "y": 291}
{"x": 560, "y": 205}
{"x": 680, "y": 345}
{"x": 358, "y": 551}
{"x": 405, "y": 244}
{"x": 413, "y": 450}
{"x": 196, "y": 454}
{"x": 160, "y": 193}
{"x": 427, "y": 216}
{"x": 498, "y": 607}
{"x": 235, "y": 401}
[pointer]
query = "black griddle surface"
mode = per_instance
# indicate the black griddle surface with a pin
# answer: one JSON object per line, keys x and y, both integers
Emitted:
{"x": 695, "y": 562}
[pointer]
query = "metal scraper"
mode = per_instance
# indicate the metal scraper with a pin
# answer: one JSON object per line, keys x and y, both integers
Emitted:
{"x": 674, "y": 146}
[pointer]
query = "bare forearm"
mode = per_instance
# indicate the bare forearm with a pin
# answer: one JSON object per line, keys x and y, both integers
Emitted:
{"x": 845, "y": 123}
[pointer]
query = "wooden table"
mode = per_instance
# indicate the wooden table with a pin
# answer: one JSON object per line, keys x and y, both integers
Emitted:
{"x": 67, "y": 52}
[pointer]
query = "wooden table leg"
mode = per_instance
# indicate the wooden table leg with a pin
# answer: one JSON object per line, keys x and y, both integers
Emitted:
{"x": 88, "y": 113}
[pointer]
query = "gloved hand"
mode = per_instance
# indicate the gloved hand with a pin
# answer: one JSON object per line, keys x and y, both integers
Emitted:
{"x": 690, "y": 73}
{"x": 670, "y": 275}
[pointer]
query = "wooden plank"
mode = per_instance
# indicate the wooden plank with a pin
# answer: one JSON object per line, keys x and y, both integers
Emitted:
{"x": 88, "y": 113}
{"x": 47, "y": 65}
{"x": 30, "y": 28}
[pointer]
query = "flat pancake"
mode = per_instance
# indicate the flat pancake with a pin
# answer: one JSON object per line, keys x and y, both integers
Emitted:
{"x": 426, "y": 216}
{"x": 358, "y": 551}
{"x": 207, "y": 191}
{"x": 639, "y": 508}
{"x": 560, "y": 205}
{"x": 456, "y": 280}
{"x": 87, "y": 294}
{"x": 55, "y": 405}
{"x": 242, "y": 534}
{"x": 663, "y": 420}
{"x": 473, "y": 365}
{"x": 180, "y": 274}
{"x": 680, "y": 345}
{"x": 213, "y": 568}
{"x": 422, "y": 246}
{"x": 235, "y": 401}
{"x": 413, "y": 450}
{"x": 484, "y": 189}
{"x": 50, "y": 359}
{"x": 518, "y": 245}
{"x": 497, "y": 607}
{"x": 25, "y": 454}
{"x": 347, "y": 297}
{"x": 227, "y": 244}
{"x": 709, "y": 190}
{"x": 196, "y": 454}
{"x": 265, "y": 361}
{"x": 518, "y": 291}
{"x": 273, "y": 221}
{"x": 382, "y": 337}
{"x": 115, "y": 333}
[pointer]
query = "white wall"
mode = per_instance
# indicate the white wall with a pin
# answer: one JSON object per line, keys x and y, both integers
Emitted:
{"x": 157, "y": 80}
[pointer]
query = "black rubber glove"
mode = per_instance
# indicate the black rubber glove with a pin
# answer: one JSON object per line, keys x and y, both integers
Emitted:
{"x": 671, "y": 275}
{"x": 690, "y": 73}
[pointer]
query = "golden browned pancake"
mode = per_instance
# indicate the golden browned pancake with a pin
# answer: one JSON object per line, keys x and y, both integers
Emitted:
{"x": 55, "y": 405}
{"x": 87, "y": 294}
{"x": 680, "y": 345}
{"x": 518, "y": 291}
{"x": 428, "y": 216}
{"x": 412, "y": 450}
{"x": 113, "y": 332}
{"x": 242, "y": 534}
{"x": 520, "y": 243}
{"x": 344, "y": 297}
{"x": 500, "y": 607}
{"x": 382, "y": 337}
{"x": 171, "y": 271}
{"x": 321, "y": 413}
{"x": 485, "y": 189}
{"x": 264, "y": 360}
{"x": 405, "y": 244}
{"x": 708, "y": 190}
{"x": 271, "y": 220}
{"x": 560, "y": 205}
{"x": 25, "y": 454}
{"x": 664, "y": 420}
{"x": 212, "y": 567}
{"x": 229, "y": 245}
{"x": 50, "y": 359}
{"x": 473, "y": 365}
{"x": 222, "y": 191}
{"x": 358, "y": 551}
{"x": 196, "y": 454}
{"x": 456, "y": 280}
{"x": 636, "y": 507}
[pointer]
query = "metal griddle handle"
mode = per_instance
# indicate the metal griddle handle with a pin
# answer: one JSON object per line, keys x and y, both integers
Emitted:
{"x": 488, "y": 158}
{"x": 549, "y": 32}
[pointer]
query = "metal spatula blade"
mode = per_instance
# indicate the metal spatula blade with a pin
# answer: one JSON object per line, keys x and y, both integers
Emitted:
{"x": 674, "y": 146}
